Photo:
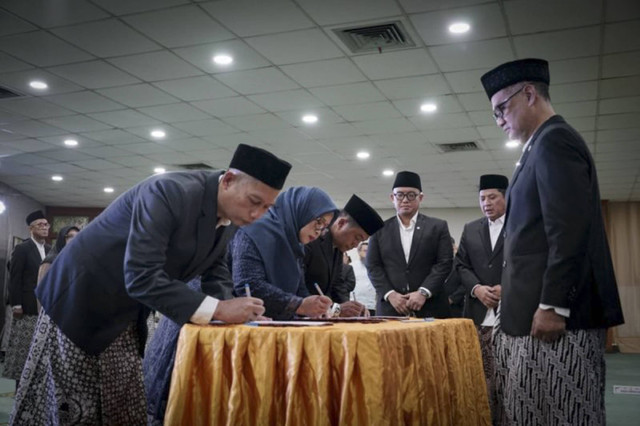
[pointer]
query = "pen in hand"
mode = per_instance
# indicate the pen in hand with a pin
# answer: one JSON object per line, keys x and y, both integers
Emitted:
{"x": 247, "y": 290}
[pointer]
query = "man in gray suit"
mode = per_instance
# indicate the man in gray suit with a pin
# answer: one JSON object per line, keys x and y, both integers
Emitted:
{"x": 559, "y": 291}
{"x": 479, "y": 266}
{"x": 410, "y": 257}
{"x": 138, "y": 254}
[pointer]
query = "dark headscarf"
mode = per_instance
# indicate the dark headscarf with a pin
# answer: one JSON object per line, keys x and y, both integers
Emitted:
{"x": 61, "y": 241}
{"x": 276, "y": 233}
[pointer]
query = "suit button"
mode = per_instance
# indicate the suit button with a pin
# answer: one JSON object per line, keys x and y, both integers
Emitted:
{"x": 490, "y": 265}
{"x": 504, "y": 264}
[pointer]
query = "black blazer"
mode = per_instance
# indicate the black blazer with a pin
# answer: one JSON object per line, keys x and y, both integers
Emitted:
{"x": 555, "y": 249}
{"x": 323, "y": 265}
{"x": 477, "y": 263}
{"x": 140, "y": 251}
{"x": 23, "y": 275}
{"x": 430, "y": 261}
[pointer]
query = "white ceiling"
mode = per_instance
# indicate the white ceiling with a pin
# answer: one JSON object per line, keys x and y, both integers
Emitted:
{"x": 117, "y": 69}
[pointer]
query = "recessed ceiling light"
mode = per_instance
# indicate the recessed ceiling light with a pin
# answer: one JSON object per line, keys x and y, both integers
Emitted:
{"x": 57, "y": 178}
{"x": 222, "y": 59}
{"x": 428, "y": 107}
{"x": 363, "y": 155}
{"x": 108, "y": 190}
{"x": 512, "y": 144}
{"x": 71, "y": 142}
{"x": 37, "y": 84}
{"x": 158, "y": 134}
{"x": 387, "y": 172}
{"x": 459, "y": 27}
{"x": 159, "y": 170}
{"x": 310, "y": 118}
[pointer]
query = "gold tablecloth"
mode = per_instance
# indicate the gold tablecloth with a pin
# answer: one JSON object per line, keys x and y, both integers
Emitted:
{"x": 391, "y": 373}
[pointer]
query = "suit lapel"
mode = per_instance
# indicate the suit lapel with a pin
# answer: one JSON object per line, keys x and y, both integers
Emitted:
{"x": 485, "y": 236}
{"x": 395, "y": 238}
{"x": 206, "y": 228}
{"x": 417, "y": 236}
{"x": 499, "y": 243}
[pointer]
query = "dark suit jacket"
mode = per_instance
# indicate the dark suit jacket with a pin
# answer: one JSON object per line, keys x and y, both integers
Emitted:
{"x": 455, "y": 291}
{"x": 555, "y": 249}
{"x": 477, "y": 263}
{"x": 323, "y": 265}
{"x": 140, "y": 251}
{"x": 430, "y": 261}
{"x": 23, "y": 275}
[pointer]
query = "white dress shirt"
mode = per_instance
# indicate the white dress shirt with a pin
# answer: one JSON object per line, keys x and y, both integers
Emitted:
{"x": 40, "y": 247}
{"x": 495, "y": 228}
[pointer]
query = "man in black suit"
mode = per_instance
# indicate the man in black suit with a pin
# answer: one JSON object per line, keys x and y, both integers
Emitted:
{"x": 323, "y": 257}
{"x": 410, "y": 257}
{"x": 23, "y": 277}
{"x": 559, "y": 291}
{"x": 138, "y": 254}
{"x": 479, "y": 266}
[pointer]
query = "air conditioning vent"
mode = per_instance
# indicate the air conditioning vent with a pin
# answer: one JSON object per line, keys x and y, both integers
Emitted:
{"x": 195, "y": 166}
{"x": 384, "y": 36}
{"x": 6, "y": 93}
{"x": 458, "y": 147}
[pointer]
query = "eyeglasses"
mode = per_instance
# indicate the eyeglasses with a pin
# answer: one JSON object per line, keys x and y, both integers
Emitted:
{"x": 41, "y": 225}
{"x": 320, "y": 224}
{"x": 498, "y": 111}
{"x": 410, "y": 196}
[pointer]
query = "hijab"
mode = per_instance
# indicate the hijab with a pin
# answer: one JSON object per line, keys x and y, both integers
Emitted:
{"x": 61, "y": 241}
{"x": 276, "y": 233}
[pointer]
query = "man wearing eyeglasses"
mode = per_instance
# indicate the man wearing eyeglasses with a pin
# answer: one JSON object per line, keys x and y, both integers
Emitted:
{"x": 410, "y": 257}
{"x": 323, "y": 257}
{"x": 23, "y": 276}
{"x": 559, "y": 291}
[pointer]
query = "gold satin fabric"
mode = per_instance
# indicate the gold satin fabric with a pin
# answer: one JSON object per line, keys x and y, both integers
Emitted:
{"x": 391, "y": 373}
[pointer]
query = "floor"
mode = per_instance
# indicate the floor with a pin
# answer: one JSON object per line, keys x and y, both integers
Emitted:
{"x": 622, "y": 410}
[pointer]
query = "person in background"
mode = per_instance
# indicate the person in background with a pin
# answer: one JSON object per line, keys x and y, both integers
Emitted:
{"x": 479, "y": 266}
{"x": 364, "y": 292}
{"x": 23, "y": 278}
{"x": 268, "y": 254}
{"x": 65, "y": 235}
{"x": 323, "y": 257}
{"x": 135, "y": 256}
{"x": 410, "y": 257}
{"x": 454, "y": 288}
{"x": 347, "y": 274}
{"x": 559, "y": 291}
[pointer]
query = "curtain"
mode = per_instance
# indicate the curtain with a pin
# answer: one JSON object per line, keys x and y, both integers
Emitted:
{"x": 622, "y": 221}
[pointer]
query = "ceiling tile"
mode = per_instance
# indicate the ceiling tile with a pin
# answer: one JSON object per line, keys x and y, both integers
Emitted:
{"x": 179, "y": 26}
{"x": 472, "y": 55}
{"x": 11, "y": 24}
{"x": 573, "y": 70}
{"x": 385, "y": 126}
{"x": 195, "y": 88}
{"x": 172, "y": 133}
{"x": 620, "y": 87}
{"x": 104, "y": 152}
{"x": 348, "y": 94}
{"x": 248, "y": 18}
{"x": 576, "y": 109}
{"x": 228, "y": 107}
{"x": 34, "y": 108}
{"x": 462, "y": 134}
{"x": 244, "y": 57}
{"x": 330, "y": 12}
{"x": 621, "y": 64}
{"x": 155, "y": 66}
{"x": 77, "y": 123}
{"x": 402, "y": 63}
{"x": 84, "y": 102}
{"x": 9, "y": 64}
{"x": 618, "y": 121}
{"x": 287, "y": 100}
{"x": 485, "y": 20}
{"x": 123, "y": 7}
{"x": 441, "y": 121}
{"x": 324, "y": 73}
{"x": 113, "y": 137}
{"x": 20, "y": 82}
{"x": 45, "y": 14}
{"x": 368, "y": 111}
{"x": 332, "y": 131}
{"x": 445, "y": 104}
{"x": 33, "y": 129}
{"x": 557, "y": 45}
{"x": 297, "y": 46}
{"x": 257, "y": 81}
{"x": 147, "y": 148}
{"x": 325, "y": 115}
{"x": 138, "y": 95}
{"x": 96, "y": 164}
{"x": 257, "y": 122}
{"x": 67, "y": 155}
{"x": 173, "y": 113}
{"x": 617, "y": 105}
{"x": 466, "y": 81}
{"x": 622, "y": 37}
{"x": 94, "y": 74}
{"x": 583, "y": 91}
{"x": 28, "y": 145}
{"x": 475, "y": 102}
{"x": 413, "y": 6}
{"x": 208, "y": 127}
{"x": 125, "y": 118}
{"x": 413, "y": 87}
{"x": 133, "y": 161}
{"x": 546, "y": 15}
{"x": 42, "y": 49}
{"x": 621, "y": 10}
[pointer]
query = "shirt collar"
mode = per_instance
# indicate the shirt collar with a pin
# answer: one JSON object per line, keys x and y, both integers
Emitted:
{"x": 498, "y": 221}
{"x": 37, "y": 243}
{"x": 412, "y": 222}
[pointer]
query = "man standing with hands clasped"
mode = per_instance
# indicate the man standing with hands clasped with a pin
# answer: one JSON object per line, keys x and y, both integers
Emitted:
{"x": 479, "y": 266}
{"x": 410, "y": 257}
{"x": 559, "y": 291}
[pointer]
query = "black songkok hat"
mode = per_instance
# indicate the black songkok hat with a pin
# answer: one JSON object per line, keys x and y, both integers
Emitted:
{"x": 407, "y": 179}
{"x": 493, "y": 182}
{"x": 260, "y": 164}
{"x": 514, "y": 72}
{"x": 34, "y": 216}
{"x": 364, "y": 215}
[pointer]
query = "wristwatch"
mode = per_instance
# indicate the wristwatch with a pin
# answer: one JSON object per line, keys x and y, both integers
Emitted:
{"x": 423, "y": 291}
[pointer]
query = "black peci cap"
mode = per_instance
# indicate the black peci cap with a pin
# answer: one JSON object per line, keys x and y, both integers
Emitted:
{"x": 514, "y": 72}
{"x": 364, "y": 215}
{"x": 261, "y": 164}
{"x": 493, "y": 182}
{"x": 407, "y": 179}
{"x": 33, "y": 216}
